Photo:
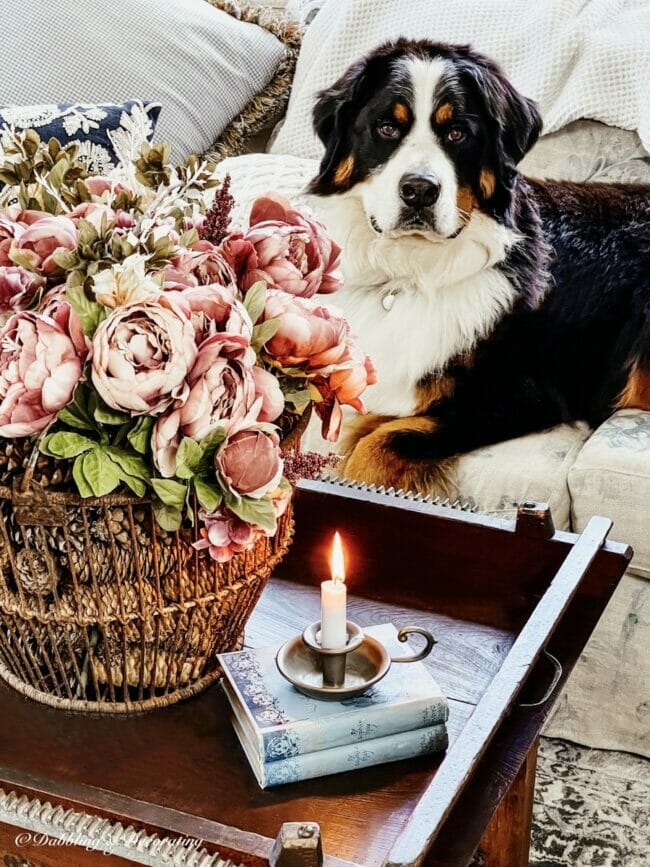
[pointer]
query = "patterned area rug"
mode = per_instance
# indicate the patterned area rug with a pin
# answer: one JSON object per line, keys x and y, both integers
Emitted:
{"x": 592, "y": 808}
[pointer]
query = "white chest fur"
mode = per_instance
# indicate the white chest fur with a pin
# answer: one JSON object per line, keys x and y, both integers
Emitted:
{"x": 415, "y": 304}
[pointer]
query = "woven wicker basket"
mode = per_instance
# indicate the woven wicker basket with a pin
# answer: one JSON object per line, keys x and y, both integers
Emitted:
{"x": 101, "y": 610}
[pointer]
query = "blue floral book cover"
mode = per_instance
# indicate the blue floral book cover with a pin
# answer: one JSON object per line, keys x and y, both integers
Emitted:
{"x": 349, "y": 757}
{"x": 280, "y": 723}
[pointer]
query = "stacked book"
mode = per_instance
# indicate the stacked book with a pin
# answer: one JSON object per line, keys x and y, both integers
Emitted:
{"x": 287, "y": 736}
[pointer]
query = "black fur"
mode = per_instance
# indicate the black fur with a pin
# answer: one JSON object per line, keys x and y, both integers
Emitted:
{"x": 582, "y": 269}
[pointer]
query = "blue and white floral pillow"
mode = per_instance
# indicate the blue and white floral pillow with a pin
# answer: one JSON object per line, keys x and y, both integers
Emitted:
{"x": 107, "y": 134}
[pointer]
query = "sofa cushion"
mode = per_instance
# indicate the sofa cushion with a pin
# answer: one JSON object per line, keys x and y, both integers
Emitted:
{"x": 606, "y": 701}
{"x": 589, "y": 151}
{"x": 200, "y": 63}
{"x": 107, "y": 134}
{"x": 534, "y": 467}
{"x": 611, "y": 477}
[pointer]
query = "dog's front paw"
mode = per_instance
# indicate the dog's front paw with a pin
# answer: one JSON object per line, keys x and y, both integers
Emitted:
{"x": 376, "y": 459}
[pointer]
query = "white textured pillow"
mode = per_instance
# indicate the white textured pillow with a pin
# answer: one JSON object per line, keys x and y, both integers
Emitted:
{"x": 577, "y": 59}
{"x": 200, "y": 63}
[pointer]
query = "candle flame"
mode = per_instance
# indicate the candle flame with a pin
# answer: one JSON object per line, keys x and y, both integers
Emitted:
{"x": 338, "y": 559}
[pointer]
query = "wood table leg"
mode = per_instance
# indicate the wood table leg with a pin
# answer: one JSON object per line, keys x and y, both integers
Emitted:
{"x": 506, "y": 841}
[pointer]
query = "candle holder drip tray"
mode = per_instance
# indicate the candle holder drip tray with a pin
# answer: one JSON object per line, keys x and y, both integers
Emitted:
{"x": 345, "y": 672}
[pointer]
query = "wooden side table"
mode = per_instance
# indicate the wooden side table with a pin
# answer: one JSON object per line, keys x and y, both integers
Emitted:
{"x": 503, "y": 600}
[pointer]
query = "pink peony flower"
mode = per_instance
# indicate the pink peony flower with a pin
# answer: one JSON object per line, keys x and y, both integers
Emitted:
{"x": 285, "y": 247}
{"x": 249, "y": 463}
{"x": 40, "y": 367}
{"x": 213, "y": 308}
{"x": 318, "y": 341}
{"x": 94, "y": 213}
{"x": 224, "y": 535}
{"x": 142, "y": 354}
{"x": 211, "y": 266}
{"x": 44, "y": 237}
{"x": 221, "y": 393}
{"x": 165, "y": 440}
{"x": 10, "y": 231}
{"x": 267, "y": 389}
{"x": 18, "y": 288}
{"x": 98, "y": 186}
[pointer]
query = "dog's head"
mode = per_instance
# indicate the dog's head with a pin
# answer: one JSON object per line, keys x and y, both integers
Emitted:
{"x": 423, "y": 134}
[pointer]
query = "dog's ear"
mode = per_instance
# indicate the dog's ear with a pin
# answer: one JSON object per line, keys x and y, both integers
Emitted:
{"x": 517, "y": 117}
{"x": 332, "y": 116}
{"x": 515, "y": 123}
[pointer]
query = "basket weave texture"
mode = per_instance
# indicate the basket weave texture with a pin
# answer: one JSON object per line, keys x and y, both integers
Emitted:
{"x": 102, "y": 610}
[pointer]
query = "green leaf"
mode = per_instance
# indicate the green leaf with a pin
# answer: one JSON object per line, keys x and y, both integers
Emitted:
{"x": 99, "y": 471}
{"x": 255, "y": 300}
{"x": 130, "y": 464}
{"x": 140, "y": 435}
{"x": 22, "y": 258}
{"x": 77, "y": 474}
{"x": 188, "y": 458}
{"x": 55, "y": 177}
{"x": 76, "y": 414}
{"x": 105, "y": 415}
{"x": 209, "y": 444}
{"x": 138, "y": 487}
{"x": 168, "y": 517}
{"x": 297, "y": 397}
{"x": 208, "y": 495}
{"x": 65, "y": 444}
{"x": 90, "y": 312}
{"x": 258, "y": 512}
{"x": 263, "y": 332}
{"x": 170, "y": 492}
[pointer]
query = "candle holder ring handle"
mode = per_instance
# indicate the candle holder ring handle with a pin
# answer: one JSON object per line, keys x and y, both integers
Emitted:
{"x": 403, "y": 635}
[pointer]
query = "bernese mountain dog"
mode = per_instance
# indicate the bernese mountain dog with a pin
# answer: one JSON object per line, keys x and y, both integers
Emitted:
{"x": 493, "y": 305}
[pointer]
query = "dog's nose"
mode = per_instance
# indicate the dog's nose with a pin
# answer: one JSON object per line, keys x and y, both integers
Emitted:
{"x": 419, "y": 191}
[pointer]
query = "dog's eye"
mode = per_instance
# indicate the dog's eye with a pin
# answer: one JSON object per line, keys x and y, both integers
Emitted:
{"x": 456, "y": 134}
{"x": 388, "y": 130}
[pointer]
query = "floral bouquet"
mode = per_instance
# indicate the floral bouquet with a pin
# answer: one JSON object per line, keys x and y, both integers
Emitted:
{"x": 148, "y": 348}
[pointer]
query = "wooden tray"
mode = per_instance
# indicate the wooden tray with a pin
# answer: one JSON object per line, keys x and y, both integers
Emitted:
{"x": 499, "y": 596}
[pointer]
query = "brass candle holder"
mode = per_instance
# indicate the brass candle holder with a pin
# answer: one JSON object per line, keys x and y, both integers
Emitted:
{"x": 332, "y": 674}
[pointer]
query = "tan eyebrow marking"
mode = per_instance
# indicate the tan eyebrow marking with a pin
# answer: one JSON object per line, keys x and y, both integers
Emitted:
{"x": 344, "y": 171}
{"x": 401, "y": 112}
{"x": 444, "y": 112}
{"x": 487, "y": 182}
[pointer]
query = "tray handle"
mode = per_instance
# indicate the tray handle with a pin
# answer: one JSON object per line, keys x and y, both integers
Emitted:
{"x": 557, "y": 674}
{"x": 403, "y": 635}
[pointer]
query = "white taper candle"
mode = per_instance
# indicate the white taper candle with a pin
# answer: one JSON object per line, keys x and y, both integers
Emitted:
{"x": 333, "y": 602}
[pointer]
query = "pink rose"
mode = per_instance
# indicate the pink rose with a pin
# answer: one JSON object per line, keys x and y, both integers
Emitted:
{"x": 249, "y": 463}
{"x": 40, "y": 367}
{"x": 318, "y": 341}
{"x": 213, "y": 308}
{"x": 224, "y": 535}
{"x": 18, "y": 288}
{"x": 221, "y": 393}
{"x": 286, "y": 248}
{"x": 267, "y": 389}
{"x": 142, "y": 354}
{"x": 43, "y": 238}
